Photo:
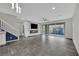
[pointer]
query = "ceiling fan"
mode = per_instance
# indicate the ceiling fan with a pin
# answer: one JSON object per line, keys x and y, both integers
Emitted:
{"x": 44, "y": 19}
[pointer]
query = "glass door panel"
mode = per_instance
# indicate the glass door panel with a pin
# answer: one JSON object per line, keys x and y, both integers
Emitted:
{"x": 57, "y": 29}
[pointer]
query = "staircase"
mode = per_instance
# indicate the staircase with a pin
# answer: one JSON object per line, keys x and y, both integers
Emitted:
{"x": 12, "y": 33}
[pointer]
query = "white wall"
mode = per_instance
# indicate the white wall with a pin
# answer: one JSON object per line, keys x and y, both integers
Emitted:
{"x": 21, "y": 29}
{"x": 68, "y": 29}
{"x": 2, "y": 38}
{"x": 26, "y": 29}
{"x": 76, "y": 28}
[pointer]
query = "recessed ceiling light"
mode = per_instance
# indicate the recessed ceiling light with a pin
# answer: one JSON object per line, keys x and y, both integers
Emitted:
{"x": 53, "y": 8}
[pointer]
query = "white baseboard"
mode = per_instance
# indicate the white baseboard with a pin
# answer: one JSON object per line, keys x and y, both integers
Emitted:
{"x": 11, "y": 41}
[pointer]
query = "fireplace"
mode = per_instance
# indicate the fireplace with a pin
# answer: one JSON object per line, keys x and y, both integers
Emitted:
{"x": 33, "y": 31}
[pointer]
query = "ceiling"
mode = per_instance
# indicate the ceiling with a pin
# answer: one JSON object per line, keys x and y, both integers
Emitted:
{"x": 35, "y": 12}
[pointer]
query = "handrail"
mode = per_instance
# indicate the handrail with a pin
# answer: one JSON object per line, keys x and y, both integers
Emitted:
{"x": 7, "y": 27}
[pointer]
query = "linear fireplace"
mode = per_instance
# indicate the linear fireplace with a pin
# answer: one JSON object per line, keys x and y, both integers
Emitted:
{"x": 33, "y": 31}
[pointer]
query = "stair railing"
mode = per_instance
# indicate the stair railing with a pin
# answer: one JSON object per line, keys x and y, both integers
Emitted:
{"x": 9, "y": 28}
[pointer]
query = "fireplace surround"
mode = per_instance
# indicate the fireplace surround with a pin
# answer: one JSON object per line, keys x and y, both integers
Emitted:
{"x": 34, "y": 31}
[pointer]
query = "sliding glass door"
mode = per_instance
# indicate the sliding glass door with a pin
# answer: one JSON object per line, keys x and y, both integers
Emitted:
{"x": 57, "y": 29}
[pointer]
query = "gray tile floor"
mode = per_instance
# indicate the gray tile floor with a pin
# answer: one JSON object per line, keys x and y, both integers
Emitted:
{"x": 41, "y": 45}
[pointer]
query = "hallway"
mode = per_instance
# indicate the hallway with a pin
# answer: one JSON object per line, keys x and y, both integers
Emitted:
{"x": 41, "y": 45}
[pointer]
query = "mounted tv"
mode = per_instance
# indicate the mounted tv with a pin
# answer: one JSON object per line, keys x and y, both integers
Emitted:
{"x": 34, "y": 26}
